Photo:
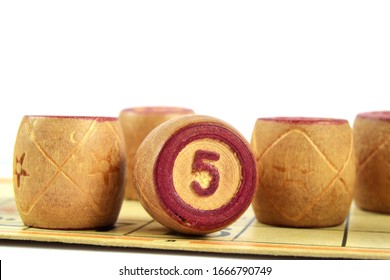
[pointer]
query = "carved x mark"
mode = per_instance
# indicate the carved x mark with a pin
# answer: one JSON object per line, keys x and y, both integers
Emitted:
{"x": 322, "y": 155}
{"x": 364, "y": 162}
{"x": 56, "y": 165}
{"x": 19, "y": 171}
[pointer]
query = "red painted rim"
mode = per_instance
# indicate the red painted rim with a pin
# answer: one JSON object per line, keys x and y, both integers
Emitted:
{"x": 376, "y": 115}
{"x": 305, "y": 120}
{"x": 177, "y": 208}
{"x": 158, "y": 110}
{"x": 89, "y": 118}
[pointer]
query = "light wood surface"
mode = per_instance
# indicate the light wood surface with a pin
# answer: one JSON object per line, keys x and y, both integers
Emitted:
{"x": 136, "y": 124}
{"x": 372, "y": 144}
{"x": 306, "y": 171}
{"x": 364, "y": 234}
{"x": 229, "y": 169}
{"x": 195, "y": 174}
{"x": 69, "y": 171}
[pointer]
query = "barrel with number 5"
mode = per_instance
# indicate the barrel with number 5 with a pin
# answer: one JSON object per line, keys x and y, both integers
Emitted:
{"x": 195, "y": 174}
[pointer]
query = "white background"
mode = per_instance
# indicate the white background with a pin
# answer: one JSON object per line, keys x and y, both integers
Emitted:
{"x": 235, "y": 60}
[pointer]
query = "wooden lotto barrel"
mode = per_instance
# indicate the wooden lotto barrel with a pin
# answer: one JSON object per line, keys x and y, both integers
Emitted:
{"x": 136, "y": 124}
{"x": 371, "y": 133}
{"x": 69, "y": 171}
{"x": 306, "y": 171}
{"x": 195, "y": 174}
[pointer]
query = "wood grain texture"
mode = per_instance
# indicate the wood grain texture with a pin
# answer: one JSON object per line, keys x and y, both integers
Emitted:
{"x": 69, "y": 171}
{"x": 136, "y": 124}
{"x": 306, "y": 171}
{"x": 195, "y": 174}
{"x": 371, "y": 132}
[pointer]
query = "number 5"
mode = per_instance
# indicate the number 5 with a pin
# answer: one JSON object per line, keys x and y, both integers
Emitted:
{"x": 199, "y": 165}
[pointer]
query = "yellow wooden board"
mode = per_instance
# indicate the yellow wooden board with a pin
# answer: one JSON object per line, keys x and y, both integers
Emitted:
{"x": 363, "y": 235}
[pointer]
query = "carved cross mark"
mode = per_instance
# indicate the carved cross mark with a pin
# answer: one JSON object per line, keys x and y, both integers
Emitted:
{"x": 19, "y": 171}
{"x": 294, "y": 175}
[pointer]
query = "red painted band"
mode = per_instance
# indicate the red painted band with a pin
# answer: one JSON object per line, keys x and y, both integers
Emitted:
{"x": 184, "y": 213}
{"x": 378, "y": 115}
{"x": 305, "y": 120}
